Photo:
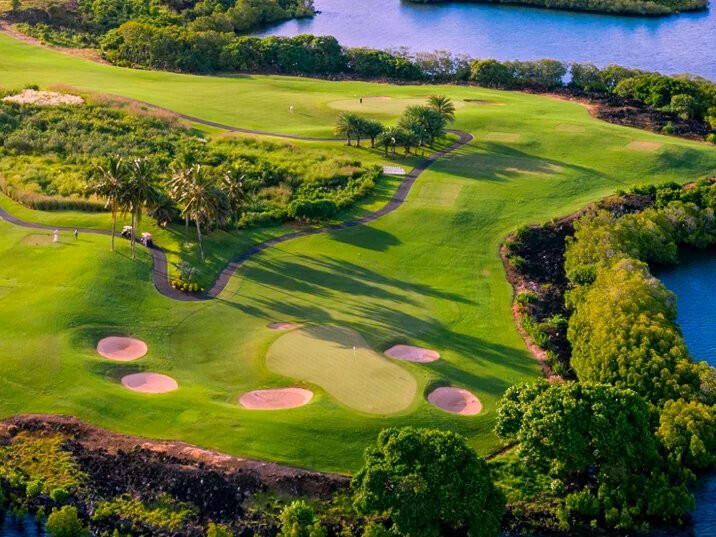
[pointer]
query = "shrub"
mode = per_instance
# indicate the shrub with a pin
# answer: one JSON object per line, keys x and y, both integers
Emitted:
{"x": 59, "y": 495}
{"x": 33, "y": 488}
{"x": 64, "y": 522}
{"x": 426, "y": 481}
{"x": 218, "y": 530}
{"x": 688, "y": 432}
{"x": 299, "y": 520}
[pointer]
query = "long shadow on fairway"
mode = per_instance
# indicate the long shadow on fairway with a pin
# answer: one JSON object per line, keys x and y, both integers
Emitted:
{"x": 490, "y": 161}
{"x": 368, "y": 238}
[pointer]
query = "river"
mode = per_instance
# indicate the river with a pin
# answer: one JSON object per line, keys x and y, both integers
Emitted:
{"x": 674, "y": 44}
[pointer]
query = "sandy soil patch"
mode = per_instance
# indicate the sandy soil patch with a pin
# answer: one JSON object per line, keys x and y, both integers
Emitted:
{"x": 121, "y": 349}
{"x": 502, "y": 136}
{"x": 37, "y": 239}
{"x": 409, "y": 353}
{"x": 455, "y": 400}
{"x": 275, "y": 399}
{"x": 641, "y": 145}
{"x": 570, "y": 127}
{"x": 149, "y": 383}
{"x": 44, "y": 98}
{"x": 283, "y": 326}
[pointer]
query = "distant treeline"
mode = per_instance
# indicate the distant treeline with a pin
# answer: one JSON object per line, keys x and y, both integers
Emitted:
{"x": 179, "y": 49}
{"x": 630, "y": 7}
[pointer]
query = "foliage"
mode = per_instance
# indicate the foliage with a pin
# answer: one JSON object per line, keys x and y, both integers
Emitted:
{"x": 596, "y": 441}
{"x": 163, "y": 513}
{"x": 64, "y": 522}
{"x": 688, "y": 432}
{"x": 218, "y": 530}
{"x": 299, "y": 520}
{"x": 426, "y": 480}
{"x": 40, "y": 460}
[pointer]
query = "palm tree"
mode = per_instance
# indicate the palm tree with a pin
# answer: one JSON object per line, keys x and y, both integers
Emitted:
{"x": 140, "y": 191}
{"x": 443, "y": 105}
{"x": 233, "y": 185}
{"x": 181, "y": 171}
{"x": 371, "y": 129}
{"x": 108, "y": 182}
{"x": 203, "y": 202}
{"x": 349, "y": 125}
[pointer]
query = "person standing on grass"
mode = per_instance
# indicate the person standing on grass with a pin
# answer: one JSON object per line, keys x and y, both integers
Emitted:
{"x": 56, "y": 237}
{"x": 291, "y": 108}
{"x": 76, "y": 233}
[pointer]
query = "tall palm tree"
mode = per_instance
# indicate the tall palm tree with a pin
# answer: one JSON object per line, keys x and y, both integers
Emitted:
{"x": 232, "y": 183}
{"x": 443, "y": 105}
{"x": 109, "y": 182}
{"x": 181, "y": 171}
{"x": 141, "y": 190}
{"x": 203, "y": 202}
{"x": 349, "y": 125}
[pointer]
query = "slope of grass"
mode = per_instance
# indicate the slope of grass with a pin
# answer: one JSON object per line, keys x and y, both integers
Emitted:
{"x": 427, "y": 274}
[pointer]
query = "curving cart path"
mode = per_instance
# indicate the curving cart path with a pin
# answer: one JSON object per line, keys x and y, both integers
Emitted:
{"x": 160, "y": 273}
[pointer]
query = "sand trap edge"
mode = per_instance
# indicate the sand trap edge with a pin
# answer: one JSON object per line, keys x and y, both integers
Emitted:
{"x": 444, "y": 397}
{"x": 129, "y": 348}
{"x": 149, "y": 383}
{"x": 275, "y": 399}
{"x": 283, "y": 326}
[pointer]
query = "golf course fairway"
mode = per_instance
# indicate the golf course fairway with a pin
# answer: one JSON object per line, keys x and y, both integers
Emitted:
{"x": 427, "y": 274}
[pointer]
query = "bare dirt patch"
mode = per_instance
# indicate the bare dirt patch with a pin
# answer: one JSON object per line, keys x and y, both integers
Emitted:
{"x": 641, "y": 145}
{"x": 149, "y": 383}
{"x": 275, "y": 399}
{"x": 455, "y": 401}
{"x": 409, "y": 353}
{"x": 44, "y": 98}
{"x": 121, "y": 349}
{"x": 283, "y": 326}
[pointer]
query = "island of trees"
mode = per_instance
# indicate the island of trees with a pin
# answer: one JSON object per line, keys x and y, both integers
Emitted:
{"x": 629, "y": 7}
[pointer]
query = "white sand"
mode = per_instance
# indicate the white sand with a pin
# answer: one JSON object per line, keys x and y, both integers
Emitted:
{"x": 412, "y": 354}
{"x": 275, "y": 399}
{"x": 121, "y": 349}
{"x": 149, "y": 383}
{"x": 455, "y": 400}
{"x": 44, "y": 98}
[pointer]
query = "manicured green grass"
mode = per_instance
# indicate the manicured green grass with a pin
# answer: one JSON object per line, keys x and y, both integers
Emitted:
{"x": 340, "y": 361}
{"x": 427, "y": 274}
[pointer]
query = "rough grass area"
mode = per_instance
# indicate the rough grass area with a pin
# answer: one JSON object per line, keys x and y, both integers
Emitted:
{"x": 340, "y": 361}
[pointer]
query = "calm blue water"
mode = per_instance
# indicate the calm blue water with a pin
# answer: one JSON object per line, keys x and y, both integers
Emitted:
{"x": 675, "y": 44}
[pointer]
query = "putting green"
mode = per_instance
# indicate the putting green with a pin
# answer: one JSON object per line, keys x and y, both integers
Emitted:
{"x": 380, "y": 105}
{"x": 340, "y": 361}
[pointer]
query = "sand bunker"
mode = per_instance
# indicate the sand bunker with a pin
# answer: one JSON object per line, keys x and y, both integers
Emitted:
{"x": 275, "y": 399}
{"x": 149, "y": 383}
{"x": 409, "y": 353}
{"x": 121, "y": 349}
{"x": 455, "y": 400}
{"x": 283, "y": 326}
{"x": 644, "y": 146}
{"x": 44, "y": 98}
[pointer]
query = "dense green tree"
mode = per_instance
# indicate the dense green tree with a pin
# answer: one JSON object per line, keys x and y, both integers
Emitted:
{"x": 596, "y": 442}
{"x": 428, "y": 482}
{"x": 688, "y": 432}
{"x": 298, "y": 519}
{"x": 371, "y": 129}
{"x": 64, "y": 522}
{"x": 491, "y": 74}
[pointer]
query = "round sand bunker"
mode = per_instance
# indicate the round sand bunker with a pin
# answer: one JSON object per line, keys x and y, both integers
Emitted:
{"x": 121, "y": 349}
{"x": 275, "y": 399}
{"x": 455, "y": 400}
{"x": 409, "y": 353}
{"x": 149, "y": 383}
{"x": 283, "y": 326}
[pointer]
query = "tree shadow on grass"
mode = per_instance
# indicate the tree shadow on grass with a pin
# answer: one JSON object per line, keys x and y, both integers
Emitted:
{"x": 490, "y": 161}
{"x": 366, "y": 237}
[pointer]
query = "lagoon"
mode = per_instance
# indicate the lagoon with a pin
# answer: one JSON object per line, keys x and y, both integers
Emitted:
{"x": 673, "y": 44}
